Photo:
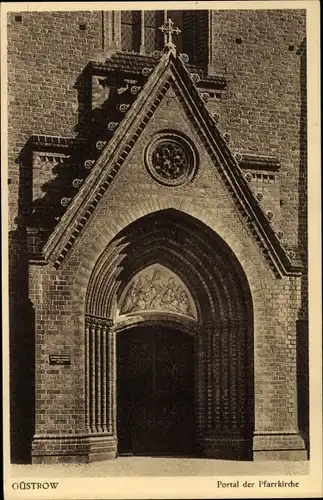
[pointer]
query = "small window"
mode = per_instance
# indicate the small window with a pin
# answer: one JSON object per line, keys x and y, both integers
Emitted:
{"x": 18, "y": 18}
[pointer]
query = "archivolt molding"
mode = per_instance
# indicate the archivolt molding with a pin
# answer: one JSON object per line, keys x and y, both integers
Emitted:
{"x": 190, "y": 271}
{"x": 200, "y": 262}
{"x": 109, "y": 277}
{"x": 184, "y": 208}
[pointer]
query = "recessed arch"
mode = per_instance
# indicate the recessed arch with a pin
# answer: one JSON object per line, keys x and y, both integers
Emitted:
{"x": 166, "y": 233}
{"x": 222, "y": 329}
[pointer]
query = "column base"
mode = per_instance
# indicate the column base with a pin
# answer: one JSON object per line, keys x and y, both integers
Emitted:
{"x": 73, "y": 449}
{"x": 289, "y": 446}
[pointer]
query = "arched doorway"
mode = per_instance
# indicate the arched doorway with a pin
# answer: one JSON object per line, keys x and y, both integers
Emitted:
{"x": 203, "y": 265}
{"x": 155, "y": 391}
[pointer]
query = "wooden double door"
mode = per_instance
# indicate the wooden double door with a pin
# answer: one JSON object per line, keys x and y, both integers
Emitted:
{"x": 155, "y": 391}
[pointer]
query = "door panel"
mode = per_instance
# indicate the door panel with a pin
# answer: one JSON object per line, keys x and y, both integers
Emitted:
{"x": 155, "y": 391}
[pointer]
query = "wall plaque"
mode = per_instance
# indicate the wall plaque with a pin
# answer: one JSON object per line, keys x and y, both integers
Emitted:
{"x": 59, "y": 359}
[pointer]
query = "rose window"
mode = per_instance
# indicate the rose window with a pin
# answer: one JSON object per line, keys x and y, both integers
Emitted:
{"x": 171, "y": 160}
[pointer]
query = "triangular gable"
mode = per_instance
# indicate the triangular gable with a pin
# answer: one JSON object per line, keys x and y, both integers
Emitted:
{"x": 169, "y": 71}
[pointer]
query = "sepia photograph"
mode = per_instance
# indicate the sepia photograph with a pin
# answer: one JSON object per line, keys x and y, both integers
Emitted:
{"x": 159, "y": 193}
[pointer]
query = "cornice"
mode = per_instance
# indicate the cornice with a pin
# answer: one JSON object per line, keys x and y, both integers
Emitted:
{"x": 257, "y": 162}
{"x": 56, "y": 143}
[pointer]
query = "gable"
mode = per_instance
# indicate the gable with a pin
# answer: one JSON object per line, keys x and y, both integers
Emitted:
{"x": 168, "y": 93}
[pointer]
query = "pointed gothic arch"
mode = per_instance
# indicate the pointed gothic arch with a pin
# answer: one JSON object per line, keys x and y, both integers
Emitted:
{"x": 223, "y": 332}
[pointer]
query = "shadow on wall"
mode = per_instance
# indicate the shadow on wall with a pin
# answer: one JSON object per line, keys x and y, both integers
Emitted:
{"x": 83, "y": 86}
{"x": 21, "y": 324}
{"x": 22, "y": 351}
{"x": 65, "y": 177}
{"x": 302, "y": 324}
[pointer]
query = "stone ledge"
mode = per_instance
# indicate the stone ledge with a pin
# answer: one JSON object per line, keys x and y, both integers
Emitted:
{"x": 133, "y": 64}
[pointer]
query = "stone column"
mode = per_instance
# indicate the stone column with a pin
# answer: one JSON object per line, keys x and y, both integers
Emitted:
{"x": 104, "y": 376}
{"x": 100, "y": 388}
{"x": 200, "y": 383}
{"x": 87, "y": 377}
{"x": 111, "y": 392}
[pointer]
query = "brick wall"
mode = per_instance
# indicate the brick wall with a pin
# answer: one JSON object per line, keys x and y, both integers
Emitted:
{"x": 47, "y": 52}
{"x": 261, "y": 55}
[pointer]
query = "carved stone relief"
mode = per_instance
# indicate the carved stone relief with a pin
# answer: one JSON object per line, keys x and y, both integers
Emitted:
{"x": 156, "y": 288}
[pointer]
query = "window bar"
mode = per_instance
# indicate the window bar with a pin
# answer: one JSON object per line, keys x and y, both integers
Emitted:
{"x": 142, "y": 49}
{"x": 164, "y": 22}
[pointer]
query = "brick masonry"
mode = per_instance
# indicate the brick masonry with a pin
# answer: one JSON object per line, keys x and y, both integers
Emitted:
{"x": 263, "y": 110}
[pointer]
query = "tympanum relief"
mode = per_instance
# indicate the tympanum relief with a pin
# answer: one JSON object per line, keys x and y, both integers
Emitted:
{"x": 156, "y": 288}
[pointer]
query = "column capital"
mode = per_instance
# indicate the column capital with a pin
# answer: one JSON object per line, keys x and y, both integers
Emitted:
{"x": 93, "y": 320}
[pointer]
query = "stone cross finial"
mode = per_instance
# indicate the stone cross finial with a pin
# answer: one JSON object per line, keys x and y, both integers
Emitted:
{"x": 169, "y": 31}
